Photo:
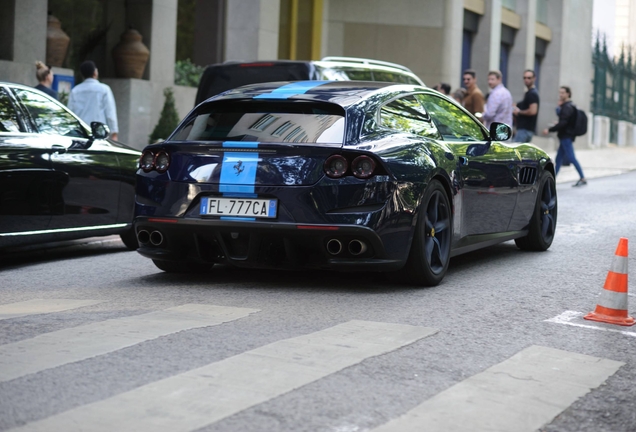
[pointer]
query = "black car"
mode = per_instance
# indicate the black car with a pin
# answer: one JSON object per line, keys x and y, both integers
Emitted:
{"x": 60, "y": 179}
{"x": 339, "y": 175}
{"x": 218, "y": 78}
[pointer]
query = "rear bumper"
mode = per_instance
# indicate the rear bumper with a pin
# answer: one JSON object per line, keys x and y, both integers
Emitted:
{"x": 262, "y": 244}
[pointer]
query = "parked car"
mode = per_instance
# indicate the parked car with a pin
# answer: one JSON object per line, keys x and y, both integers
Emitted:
{"x": 59, "y": 178}
{"x": 341, "y": 175}
{"x": 225, "y": 76}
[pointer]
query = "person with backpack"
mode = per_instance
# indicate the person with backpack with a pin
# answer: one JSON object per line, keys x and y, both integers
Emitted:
{"x": 567, "y": 129}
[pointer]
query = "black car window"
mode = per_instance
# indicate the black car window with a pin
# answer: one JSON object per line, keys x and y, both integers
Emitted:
{"x": 49, "y": 117}
{"x": 453, "y": 123}
{"x": 264, "y": 122}
{"x": 407, "y": 115}
{"x": 9, "y": 121}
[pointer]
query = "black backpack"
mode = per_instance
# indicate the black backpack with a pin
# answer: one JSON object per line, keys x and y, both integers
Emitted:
{"x": 580, "y": 122}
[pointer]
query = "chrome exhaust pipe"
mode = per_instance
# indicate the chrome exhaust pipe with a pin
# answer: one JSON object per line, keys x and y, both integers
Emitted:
{"x": 357, "y": 247}
{"x": 156, "y": 238}
{"x": 143, "y": 237}
{"x": 334, "y": 246}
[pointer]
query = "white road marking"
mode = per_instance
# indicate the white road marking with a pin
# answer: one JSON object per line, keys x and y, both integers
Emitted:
{"x": 41, "y": 306}
{"x": 571, "y": 318}
{"x": 79, "y": 343}
{"x": 520, "y": 394}
{"x": 202, "y": 396}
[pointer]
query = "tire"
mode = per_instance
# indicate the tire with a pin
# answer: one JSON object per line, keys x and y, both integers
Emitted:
{"x": 129, "y": 238}
{"x": 182, "y": 267}
{"x": 430, "y": 251}
{"x": 542, "y": 225}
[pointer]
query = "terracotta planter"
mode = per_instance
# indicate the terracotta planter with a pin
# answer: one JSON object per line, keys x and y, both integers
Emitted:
{"x": 130, "y": 55}
{"x": 56, "y": 42}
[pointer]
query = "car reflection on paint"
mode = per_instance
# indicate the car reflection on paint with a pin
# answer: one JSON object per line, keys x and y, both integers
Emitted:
{"x": 338, "y": 175}
{"x": 60, "y": 179}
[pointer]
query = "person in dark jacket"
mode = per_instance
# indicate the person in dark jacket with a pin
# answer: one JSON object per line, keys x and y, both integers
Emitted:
{"x": 45, "y": 78}
{"x": 565, "y": 131}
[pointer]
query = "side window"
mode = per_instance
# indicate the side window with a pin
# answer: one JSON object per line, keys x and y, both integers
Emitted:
{"x": 9, "y": 121}
{"x": 49, "y": 117}
{"x": 359, "y": 74}
{"x": 407, "y": 115}
{"x": 387, "y": 77}
{"x": 452, "y": 122}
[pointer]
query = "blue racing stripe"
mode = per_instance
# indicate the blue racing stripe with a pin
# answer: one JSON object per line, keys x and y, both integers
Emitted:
{"x": 240, "y": 144}
{"x": 238, "y": 172}
{"x": 289, "y": 90}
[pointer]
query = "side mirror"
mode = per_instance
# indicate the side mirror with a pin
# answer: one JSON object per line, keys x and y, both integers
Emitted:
{"x": 99, "y": 130}
{"x": 500, "y": 132}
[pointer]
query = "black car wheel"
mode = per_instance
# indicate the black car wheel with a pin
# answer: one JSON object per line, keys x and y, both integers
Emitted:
{"x": 430, "y": 251}
{"x": 543, "y": 223}
{"x": 129, "y": 238}
{"x": 182, "y": 267}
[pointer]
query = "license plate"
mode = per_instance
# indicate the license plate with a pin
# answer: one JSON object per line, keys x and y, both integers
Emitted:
{"x": 241, "y": 207}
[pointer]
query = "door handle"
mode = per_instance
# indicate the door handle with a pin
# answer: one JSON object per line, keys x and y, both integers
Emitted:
{"x": 463, "y": 160}
{"x": 58, "y": 148}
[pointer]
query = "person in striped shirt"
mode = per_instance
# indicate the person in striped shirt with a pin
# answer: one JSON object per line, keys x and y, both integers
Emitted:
{"x": 499, "y": 104}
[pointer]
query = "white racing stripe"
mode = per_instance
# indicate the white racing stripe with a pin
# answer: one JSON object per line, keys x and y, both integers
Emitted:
{"x": 520, "y": 394}
{"x": 79, "y": 343}
{"x": 41, "y": 306}
{"x": 202, "y": 396}
{"x": 575, "y": 319}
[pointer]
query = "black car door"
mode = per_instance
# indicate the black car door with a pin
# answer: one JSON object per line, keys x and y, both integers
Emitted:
{"x": 30, "y": 191}
{"x": 91, "y": 193}
{"x": 488, "y": 169}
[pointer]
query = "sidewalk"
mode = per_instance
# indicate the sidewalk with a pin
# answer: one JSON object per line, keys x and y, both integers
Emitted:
{"x": 603, "y": 162}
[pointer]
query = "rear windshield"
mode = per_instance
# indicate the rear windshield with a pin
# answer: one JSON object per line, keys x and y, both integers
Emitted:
{"x": 297, "y": 122}
{"x": 219, "y": 78}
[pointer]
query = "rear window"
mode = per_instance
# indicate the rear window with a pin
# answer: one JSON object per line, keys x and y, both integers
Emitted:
{"x": 291, "y": 122}
{"x": 219, "y": 78}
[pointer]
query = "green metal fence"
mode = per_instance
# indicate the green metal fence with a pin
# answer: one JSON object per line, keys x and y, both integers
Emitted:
{"x": 614, "y": 86}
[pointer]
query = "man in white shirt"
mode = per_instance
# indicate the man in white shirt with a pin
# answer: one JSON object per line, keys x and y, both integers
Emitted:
{"x": 94, "y": 101}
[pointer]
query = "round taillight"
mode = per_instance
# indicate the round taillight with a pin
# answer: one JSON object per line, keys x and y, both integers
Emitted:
{"x": 363, "y": 167}
{"x": 336, "y": 166}
{"x": 147, "y": 161}
{"x": 162, "y": 162}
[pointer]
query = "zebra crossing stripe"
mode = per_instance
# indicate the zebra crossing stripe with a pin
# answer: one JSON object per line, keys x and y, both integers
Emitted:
{"x": 79, "y": 343}
{"x": 202, "y": 396}
{"x": 522, "y": 394}
{"x": 41, "y": 306}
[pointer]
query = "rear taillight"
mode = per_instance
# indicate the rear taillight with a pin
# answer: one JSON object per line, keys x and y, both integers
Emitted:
{"x": 336, "y": 166}
{"x": 360, "y": 166}
{"x": 159, "y": 161}
{"x": 147, "y": 161}
{"x": 363, "y": 167}
{"x": 162, "y": 162}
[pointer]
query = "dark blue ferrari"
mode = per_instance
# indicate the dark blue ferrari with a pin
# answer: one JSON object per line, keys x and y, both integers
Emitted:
{"x": 338, "y": 175}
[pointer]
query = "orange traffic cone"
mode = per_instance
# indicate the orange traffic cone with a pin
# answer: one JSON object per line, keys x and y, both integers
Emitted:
{"x": 612, "y": 305}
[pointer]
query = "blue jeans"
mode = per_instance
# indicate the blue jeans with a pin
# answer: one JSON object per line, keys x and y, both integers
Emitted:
{"x": 523, "y": 136}
{"x": 566, "y": 148}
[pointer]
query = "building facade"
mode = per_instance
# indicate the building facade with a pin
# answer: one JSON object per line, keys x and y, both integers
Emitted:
{"x": 436, "y": 39}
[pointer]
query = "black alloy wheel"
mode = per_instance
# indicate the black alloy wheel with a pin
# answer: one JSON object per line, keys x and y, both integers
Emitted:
{"x": 129, "y": 238}
{"x": 542, "y": 226}
{"x": 430, "y": 251}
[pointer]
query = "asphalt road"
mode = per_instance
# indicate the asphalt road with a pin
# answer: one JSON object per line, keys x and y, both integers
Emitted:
{"x": 119, "y": 345}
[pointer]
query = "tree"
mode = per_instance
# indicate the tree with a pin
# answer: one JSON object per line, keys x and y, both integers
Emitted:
{"x": 168, "y": 120}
